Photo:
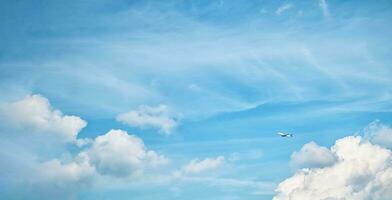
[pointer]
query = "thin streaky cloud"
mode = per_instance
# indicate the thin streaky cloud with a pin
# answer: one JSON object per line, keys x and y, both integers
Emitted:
{"x": 283, "y": 8}
{"x": 324, "y": 7}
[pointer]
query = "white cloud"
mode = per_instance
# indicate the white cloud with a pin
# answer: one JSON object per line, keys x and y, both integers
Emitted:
{"x": 150, "y": 117}
{"x": 198, "y": 166}
{"x": 46, "y": 170}
{"x": 118, "y": 154}
{"x": 34, "y": 114}
{"x": 379, "y": 134}
{"x": 76, "y": 172}
{"x": 362, "y": 171}
{"x": 115, "y": 157}
{"x": 83, "y": 142}
{"x": 283, "y": 8}
{"x": 46, "y": 179}
{"x": 312, "y": 155}
{"x": 324, "y": 7}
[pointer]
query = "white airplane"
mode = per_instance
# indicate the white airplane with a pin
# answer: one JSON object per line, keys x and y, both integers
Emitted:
{"x": 285, "y": 134}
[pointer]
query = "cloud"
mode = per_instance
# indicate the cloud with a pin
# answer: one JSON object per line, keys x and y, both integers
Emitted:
{"x": 379, "y": 134}
{"x": 362, "y": 171}
{"x": 115, "y": 157}
{"x": 312, "y": 155}
{"x": 76, "y": 172}
{"x": 150, "y": 117}
{"x": 118, "y": 154}
{"x": 324, "y": 7}
{"x": 283, "y": 8}
{"x": 28, "y": 176}
{"x": 198, "y": 166}
{"x": 39, "y": 171}
{"x": 83, "y": 142}
{"x": 34, "y": 115}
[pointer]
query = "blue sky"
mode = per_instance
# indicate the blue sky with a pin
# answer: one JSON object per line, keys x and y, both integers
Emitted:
{"x": 205, "y": 85}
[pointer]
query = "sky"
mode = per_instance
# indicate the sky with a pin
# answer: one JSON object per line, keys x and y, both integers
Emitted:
{"x": 184, "y": 99}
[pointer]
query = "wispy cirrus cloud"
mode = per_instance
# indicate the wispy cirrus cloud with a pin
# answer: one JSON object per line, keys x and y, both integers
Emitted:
{"x": 239, "y": 62}
{"x": 283, "y": 8}
{"x": 324, "y": 7}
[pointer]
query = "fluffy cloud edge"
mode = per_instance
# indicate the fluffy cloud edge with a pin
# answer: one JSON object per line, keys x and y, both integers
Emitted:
{"x": 35, "y": 115}
{"x": 159, "y": 117}
{"x": 119, "y": 154}
{"x": 362, "y": 171}
{"x": 379, "y": 133}
{"x": 311, "y": 155}
{"x": 197, "y": 166}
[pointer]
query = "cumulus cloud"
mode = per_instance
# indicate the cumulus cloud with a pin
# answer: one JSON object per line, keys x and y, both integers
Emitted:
{"x": 76, "y": 172}
{"x": 114, "y": 156}
{"x": 158, "y": 117}
{"x": 118, "y": 154}
{"x": 283, "y": 8}
{"x": 35, "y": 178}
{"x": 362, "y": 171}
{"x": 379, "y": 134}
{"x": 312, "y": 155}
{"x": 198, "y": 166}
{"x": 34, "y": 114}
{"x": 45, "y": 171}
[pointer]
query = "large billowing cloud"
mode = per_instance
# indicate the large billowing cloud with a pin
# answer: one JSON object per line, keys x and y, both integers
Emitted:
{"x": 362, "y": 171}
{"x": 312, "y": 155}
{"x": 34, "y": 115}
{"x": 150, "y": 117}
{"x": 118, "y": 154}
{"x": 198, "y": 166}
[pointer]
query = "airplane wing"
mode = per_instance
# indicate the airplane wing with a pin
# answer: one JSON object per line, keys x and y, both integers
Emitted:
{"x": 285, "y": 134}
